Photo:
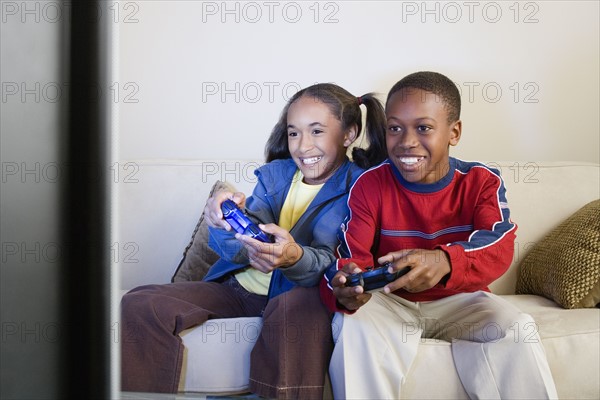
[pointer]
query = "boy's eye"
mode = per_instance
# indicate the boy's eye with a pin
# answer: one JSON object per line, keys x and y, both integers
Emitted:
{"x": 317, "y": 131}
{"x": 423, "y": 128}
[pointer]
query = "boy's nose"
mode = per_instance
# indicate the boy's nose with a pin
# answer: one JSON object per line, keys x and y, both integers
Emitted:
{"x": 409, "y": 140}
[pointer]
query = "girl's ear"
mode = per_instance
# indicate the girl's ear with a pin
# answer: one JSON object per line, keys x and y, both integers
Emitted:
{"x": 455, "y": 133}
{"x": 350, "y": 135}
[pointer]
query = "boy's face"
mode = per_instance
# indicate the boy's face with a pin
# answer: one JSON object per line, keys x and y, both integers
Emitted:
{"x": 418, "y": 135}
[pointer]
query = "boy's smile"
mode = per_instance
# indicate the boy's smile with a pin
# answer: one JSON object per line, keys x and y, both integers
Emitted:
{"x": 418, "y": 135}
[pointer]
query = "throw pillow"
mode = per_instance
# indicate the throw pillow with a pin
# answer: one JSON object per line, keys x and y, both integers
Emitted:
{"x": 565, "y": 265}
{"x": 198, "y": 257}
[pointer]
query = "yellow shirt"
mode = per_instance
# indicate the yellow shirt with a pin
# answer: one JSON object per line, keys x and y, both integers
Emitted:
{"x": 299, "y": 197}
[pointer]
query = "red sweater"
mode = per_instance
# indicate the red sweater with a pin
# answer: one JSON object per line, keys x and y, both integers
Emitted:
{"x": 465, "y": 214}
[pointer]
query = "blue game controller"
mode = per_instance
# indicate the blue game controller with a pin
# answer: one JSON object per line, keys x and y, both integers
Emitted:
{"x": 241, "y": 223}
{"x": 375, "y": 278}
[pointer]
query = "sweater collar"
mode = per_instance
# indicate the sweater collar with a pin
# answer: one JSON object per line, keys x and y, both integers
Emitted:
{"x": 426, "y": 187}
{"x": 279, "y": 178}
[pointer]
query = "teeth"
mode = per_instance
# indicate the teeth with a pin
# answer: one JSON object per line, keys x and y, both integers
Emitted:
{"x": 308, "y": 161}
{"x": 410, "y": 160}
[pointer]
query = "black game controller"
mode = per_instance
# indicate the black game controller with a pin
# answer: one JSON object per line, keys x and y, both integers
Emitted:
{"x": 241, "y": 223}
{"x": 375, "y": 278}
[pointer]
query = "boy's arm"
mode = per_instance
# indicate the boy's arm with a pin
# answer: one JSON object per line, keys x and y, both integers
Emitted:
{"x": 356, "y": 236}
{"x": 488, "y": 252}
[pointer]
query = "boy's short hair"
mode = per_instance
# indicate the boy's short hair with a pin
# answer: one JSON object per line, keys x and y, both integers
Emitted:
{"x": 436, "y": 84}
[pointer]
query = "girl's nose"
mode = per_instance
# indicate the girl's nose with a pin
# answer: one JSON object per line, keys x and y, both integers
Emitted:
{"x": 306, "y": 143}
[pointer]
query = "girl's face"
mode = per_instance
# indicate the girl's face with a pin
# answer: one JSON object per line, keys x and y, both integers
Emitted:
{"x": 316, "y": 140}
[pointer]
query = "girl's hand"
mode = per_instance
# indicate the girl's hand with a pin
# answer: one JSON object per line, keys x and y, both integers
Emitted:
{"x": 427, "y": 268}
{"x": 266, "y": 257}
{"x": 352, "y": 298}
{"x": 212, "y": 209}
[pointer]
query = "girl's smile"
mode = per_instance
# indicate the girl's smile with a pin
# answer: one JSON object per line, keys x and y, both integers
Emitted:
{"x": 315, "y": 139}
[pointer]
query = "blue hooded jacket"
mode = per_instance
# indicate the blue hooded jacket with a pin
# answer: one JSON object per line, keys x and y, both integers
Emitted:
{"x": 316, "y": 230}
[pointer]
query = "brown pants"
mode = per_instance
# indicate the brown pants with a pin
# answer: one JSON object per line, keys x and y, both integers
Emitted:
{"x": 290, "y": 357}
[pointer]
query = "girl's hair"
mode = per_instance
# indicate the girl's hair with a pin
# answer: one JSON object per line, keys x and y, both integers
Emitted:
{"x": 346, "y": 108}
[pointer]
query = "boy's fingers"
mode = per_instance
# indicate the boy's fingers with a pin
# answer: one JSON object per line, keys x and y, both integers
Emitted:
{"x": 349, "y": 292}
{"x": 400, "y": 255}
{"x": 339, "y": 280}
{"x": 403, "y": 282}
{"x": 355, "y": 302}
{"x": 351, "y": 268}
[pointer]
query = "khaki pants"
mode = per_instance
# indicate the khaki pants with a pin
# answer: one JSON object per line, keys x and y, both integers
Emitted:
{"x": 497, "y": 351}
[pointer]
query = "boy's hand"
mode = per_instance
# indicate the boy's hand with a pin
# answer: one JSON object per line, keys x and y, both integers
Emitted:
{"x": 350, "y": 297}
{"x": 266, "y": 257}
{"x": 427, "y": 268}
{"x": 212, "y": 210}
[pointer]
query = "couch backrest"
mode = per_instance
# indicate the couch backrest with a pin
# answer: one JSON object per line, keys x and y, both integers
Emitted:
{"x": 160, "y": 202}
{"x": 540, "y": 196}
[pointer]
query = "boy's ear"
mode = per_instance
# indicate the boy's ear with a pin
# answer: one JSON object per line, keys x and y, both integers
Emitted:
{"x": 350, "y": 135}
{"x": 455, "y": 132}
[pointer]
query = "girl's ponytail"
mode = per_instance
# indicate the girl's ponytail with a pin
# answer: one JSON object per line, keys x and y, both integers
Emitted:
{"x": 375, "y": 128}
{"x": 346, "y": 108}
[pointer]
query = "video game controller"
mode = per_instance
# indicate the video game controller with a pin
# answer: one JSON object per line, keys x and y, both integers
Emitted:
{"x": 375, "y": 278}
{"x": 241, "y": 223}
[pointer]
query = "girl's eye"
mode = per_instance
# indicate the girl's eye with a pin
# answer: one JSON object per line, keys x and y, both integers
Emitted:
{"x": 292, "y": 134}
{"x": 317, "y": 131}
{"x": 395, "y": 129}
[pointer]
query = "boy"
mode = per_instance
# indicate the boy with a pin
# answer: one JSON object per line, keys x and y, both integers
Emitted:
{"x": 447, "y": 221}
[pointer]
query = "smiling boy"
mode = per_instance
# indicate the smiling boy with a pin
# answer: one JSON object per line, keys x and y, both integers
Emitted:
{"x": 449, "y": 222}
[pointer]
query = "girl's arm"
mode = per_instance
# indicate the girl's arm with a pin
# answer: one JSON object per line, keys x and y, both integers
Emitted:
{"x": 222, "y": 240}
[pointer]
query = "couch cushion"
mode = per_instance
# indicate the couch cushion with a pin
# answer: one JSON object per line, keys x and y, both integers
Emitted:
{"x": 565, "y": 265}
{"x": 217, "y": 355}
{"x": 571, "y": 340}
{"x": 198, "y": 257}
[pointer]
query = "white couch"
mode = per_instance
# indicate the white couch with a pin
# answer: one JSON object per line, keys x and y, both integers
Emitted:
{"x": 161, "y": 202}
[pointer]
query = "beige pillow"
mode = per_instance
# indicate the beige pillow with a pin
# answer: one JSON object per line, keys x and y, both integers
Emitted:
{"x": 565, "y": 265}
{"x": 198, "y": 257}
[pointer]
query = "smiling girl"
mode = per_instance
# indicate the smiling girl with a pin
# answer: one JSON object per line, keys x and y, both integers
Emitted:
{"x": 300, "y": 200}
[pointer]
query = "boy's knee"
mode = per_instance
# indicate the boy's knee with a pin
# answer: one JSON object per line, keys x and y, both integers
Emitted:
{"x": 520, "y": 330}
{"x": 525, "y": 330}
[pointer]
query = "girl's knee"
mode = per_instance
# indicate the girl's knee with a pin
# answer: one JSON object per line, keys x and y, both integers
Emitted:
{"x": 136, "y": 304}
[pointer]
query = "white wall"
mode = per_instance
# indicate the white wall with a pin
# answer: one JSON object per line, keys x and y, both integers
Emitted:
{"x": 208, "y": 79}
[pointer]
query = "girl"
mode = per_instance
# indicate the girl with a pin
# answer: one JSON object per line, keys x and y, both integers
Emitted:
{"x": 300, "y": 199}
